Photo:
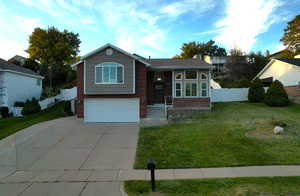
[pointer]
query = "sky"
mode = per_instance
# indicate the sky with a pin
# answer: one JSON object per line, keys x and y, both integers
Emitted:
{"x": 155, "y": 28}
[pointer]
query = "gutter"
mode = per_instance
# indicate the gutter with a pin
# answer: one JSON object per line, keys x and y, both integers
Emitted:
{"x": 21, "y": 73}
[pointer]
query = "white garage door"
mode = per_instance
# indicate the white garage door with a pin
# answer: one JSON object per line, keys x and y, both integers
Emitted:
{"x": 111, "y": 110}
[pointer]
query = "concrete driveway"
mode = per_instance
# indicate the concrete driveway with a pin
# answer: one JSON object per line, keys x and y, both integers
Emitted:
{"x": 75, "y": 158}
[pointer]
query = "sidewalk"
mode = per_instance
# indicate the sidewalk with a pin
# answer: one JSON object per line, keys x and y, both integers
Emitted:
{"x": 160, "y": 174}
{"x": 110, "y": 182}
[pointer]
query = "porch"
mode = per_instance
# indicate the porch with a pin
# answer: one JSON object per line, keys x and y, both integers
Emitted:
{"x": 177, "y": 93}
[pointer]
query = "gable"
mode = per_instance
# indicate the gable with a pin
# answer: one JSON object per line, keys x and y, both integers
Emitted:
{"x": 286, "y": 73}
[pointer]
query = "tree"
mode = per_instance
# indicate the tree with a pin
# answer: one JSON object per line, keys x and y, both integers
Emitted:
{"x": 291, "y": 36}
{"x": 32, "y": 64}
{"x": 256, "y": 91}
{"x": 276, "y": 95}
{"x": 189, "y": 50}
{"x": 53, "y": 49}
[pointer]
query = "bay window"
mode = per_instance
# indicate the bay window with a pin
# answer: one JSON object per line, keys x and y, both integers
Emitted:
{"x": 178, "y": 89}
{"x": 109, "y": 73}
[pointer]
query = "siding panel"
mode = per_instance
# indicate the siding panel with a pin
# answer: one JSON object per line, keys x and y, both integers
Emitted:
{"x": 101, "y": 57}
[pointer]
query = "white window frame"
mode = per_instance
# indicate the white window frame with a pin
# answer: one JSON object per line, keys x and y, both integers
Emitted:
{"x": 200, "y": 93}
{"x": 109, "y": 64}
{"x": 178, "y": 72}
{"x": 181, "y": 89}
{"x": 190, "y": 79}
{"x": 191, "y": 82}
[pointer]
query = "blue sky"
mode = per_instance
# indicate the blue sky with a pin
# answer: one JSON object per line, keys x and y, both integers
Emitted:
{"x": 155, "y": 28}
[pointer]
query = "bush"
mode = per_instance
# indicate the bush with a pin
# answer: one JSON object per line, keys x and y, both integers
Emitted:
{"x": 67, "y": 108}
{"x": 276, "y": 95}
{"x": 31, "y": 107}
{"x": 19, "y": 104}
{"x": 4, "y": 112}
{"x": 256, "y": 91}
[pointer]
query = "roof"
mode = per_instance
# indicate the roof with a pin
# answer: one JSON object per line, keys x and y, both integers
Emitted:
{"x": 7, "y": 66}
{"x": 178, "y": 64}
{"x": 111, "y": 46}
{"x": 295, "y": 61}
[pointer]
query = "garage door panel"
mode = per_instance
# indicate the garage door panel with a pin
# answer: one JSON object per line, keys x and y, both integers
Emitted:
{"x": 111, "y": 110}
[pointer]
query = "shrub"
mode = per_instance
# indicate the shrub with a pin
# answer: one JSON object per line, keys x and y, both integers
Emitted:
{"x": 67, "y": 108}
{"x": 256, "y": 91}
{"x": 19, "y": 104}
{"x": 4, "y": 112}
{"x": 276, "y": 95}
{"x": 31, "y": 107}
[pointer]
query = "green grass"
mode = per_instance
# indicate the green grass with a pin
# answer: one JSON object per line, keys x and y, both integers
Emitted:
{"x": 233, "y": 134}
{"x": 218, "y": 187}
{"x": 10, "y": 126}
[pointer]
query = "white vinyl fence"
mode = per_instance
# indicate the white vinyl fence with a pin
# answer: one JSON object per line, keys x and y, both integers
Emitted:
{"x": 65, "y": 95}
{"x": 230, "y": 94}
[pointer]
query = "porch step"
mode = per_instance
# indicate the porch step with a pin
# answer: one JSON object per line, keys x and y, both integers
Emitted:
{"x": 156, "y": 112}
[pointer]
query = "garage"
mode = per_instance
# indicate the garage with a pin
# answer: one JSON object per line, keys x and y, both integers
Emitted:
{"x": 111, "y": 110}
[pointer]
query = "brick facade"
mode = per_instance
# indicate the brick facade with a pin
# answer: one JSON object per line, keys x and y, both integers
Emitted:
{"x": 292, "y": 91}
{"x": 191, "y": 102}
{"x": 80, "y": 91}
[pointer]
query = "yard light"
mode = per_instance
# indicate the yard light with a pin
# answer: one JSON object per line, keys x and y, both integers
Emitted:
{"x": 151, "y": 166}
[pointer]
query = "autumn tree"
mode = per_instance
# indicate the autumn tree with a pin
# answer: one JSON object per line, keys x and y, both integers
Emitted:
{"x": 53, "y": 49}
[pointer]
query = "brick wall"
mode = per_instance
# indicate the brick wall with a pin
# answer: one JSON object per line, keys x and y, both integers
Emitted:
{"x": 293, "y": 91}
{"x": 191, "y": 102}
{"x": 80, "y": 93}
{"x": 141, "y": 87}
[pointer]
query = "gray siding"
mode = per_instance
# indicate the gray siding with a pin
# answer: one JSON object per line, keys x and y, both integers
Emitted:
{"x": 101, "y": 57}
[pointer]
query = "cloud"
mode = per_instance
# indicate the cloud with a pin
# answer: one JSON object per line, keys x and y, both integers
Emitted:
{"x": 185, "y": 6}
{"x": 244, "y": 21}
{"x": 43, "y": 5}
{"x": 27, "y": 24}
{"x": 11, "y": 48}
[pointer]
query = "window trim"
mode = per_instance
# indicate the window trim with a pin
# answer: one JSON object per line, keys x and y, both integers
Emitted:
{"x": 191, "y": 79}
{"x": 178, "y": 72}
{"x": 181, "y": 89}
{"x": 191, "y": 82}
{"x": 103, "y": 65}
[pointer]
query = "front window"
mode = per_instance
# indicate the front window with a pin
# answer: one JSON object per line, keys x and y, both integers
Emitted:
{"x": 204, "y": 89}
{"x": 109, "y": 73}
{"x": 191, "y": 89}
{"x": 191, "y": 75}
{"x": 178, "y": 89}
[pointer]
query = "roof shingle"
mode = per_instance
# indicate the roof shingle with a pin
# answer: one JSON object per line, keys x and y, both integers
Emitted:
{"x": 5, "y": 65}
{"x": 178, "y": 63}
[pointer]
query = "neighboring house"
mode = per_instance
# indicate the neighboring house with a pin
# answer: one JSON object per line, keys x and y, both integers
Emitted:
{"x": 19, "y": 59}
{"x": 287, "y": 71}
{"x": 18, "y": 84}
{"x": 116, "y": 86}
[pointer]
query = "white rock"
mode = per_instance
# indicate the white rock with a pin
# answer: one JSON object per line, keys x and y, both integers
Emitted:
{"x": 278, "y": 130}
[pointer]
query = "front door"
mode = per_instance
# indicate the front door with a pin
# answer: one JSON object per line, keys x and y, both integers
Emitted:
{"x": 159, "y": 92}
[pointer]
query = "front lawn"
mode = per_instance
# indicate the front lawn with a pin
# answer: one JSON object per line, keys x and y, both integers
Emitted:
{"x": 11, "y": 125}
{"x": 218, "y": 187}
{"x": 233, "y": 134}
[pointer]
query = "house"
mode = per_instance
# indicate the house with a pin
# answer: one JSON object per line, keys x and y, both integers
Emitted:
{"x": 18, "y": 84}
{"x": 116, "y": 86}
{"x": 287, "y": 71}
{"x": 17, "y": 58}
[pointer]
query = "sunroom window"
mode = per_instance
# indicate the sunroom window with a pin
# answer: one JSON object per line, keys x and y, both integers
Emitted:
{"x": 109, "y": 73}
{"x": 191, "y": 75}
{"x": 191, "y": 89}
{"x": 178, "y": 89}
{"x": 178, "y": 75}
{"x": 204, "y": 89}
